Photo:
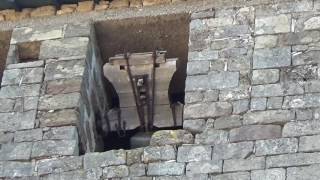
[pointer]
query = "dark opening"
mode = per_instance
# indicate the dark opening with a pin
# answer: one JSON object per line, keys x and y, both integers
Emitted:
{"x": 28, "y": 51}
{"x": 4, "y": 48}
{"x": 146, "y": 34}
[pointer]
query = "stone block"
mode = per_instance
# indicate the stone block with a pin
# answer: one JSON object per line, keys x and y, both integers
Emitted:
{"x": 233, "y": 176}
{"x": 312, "y": 86}
{"x": 193, "y": 97}
{"x": 232, "y": 151}
{"x": 267, "y": 41}
{"x": 134, "y": 156}
{"x": 137, "y": 170}
{"x": 306, "y": 101}
{"x": 158, "y": 153}
{"x": 274, "y": 102}
{"x": 227, "y": 122}
{"x": 38, "y": 33}
{"x": 55, "y": 148}
{"x": 17, "y": 169}
{"x": 268, "y": 117}
{"x": 273, "y": 24}
{"x": 288, "y": 160}
{"x": 108, "y": 158}
{"x": 248, "y": 164}
{"x": 255, "y": 132}
{"x": 301, "y": 128}
{"x": 265, "y": 76}
{"x": 17, "y": 121}
{"x": 20, "y": 91}
{"x": 61, "y": 133}
{"x": 276, "y": 146}
{"x": 22, "y": 76}
{"x": 64, "y": 69}
{"x": 32, "y": 64}
{"x": 60, "y": 101}
{"x": 58, "y": 165}
{"x": 77, "y": 174}
{"x": 78, "y": 30}
{"x": 165, "y": 168}
{"x": 43, "y": 11}
{"x": 205, "y": 55}
{"x": 240, "y": 106}
{"x": 6, "y": 137}
{"x": 190, "y": 153}
{"x": 204, "y": 167}
{"x": 194, "y": 126}
{"x": 116, "y": 171}
{"x": 203, "y": 14}
{"x": 270, "y": 90}
{"x": 306, "y": 57}
{"x": 211, "y": 95}
{"x": 67, "y": 9}
{"x": 308, "y": 173}
{"x": 171, "y": 137}
{"x": 309, "y": 143}
{"x": 94, "y": 174}
{"x": 212, "y": 137}
{"x": 154, "y": 2}
{"x": 16, "y": 151}
{"x": 304, "y": 114}
{"x": 272, "y": 58}
{"x": 258, "y": 104}
{"x": 64, "y": 86}
{"x": 58, "y": 118}
{"x": 207, "y": 110}
{"x": 67, "y": 47}
{"x": 6, "y": 105}
{"x": 28, "y": 135}
{"x": 119, "y": 4}
{"x": 85, "y": 6}
{"x": 274, "y": 174}
{"x": 198, "y": 67}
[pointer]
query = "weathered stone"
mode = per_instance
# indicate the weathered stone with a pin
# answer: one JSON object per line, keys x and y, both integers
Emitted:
{"x": 306, "y": 101}
{"x": 85, "y": 6}
{"x": 268, "y": 41}
{"x": 205, "y": 55}
{"x": 116, "y": 171}
{"x": 214, "y": 80}
{"x": 206, "y": 110}
{"x": 137, "y": 170}
{"x": 67, "y": 9}
{"x": 227, "y": 122}
{"x": 50, "y": 148}
{"x": 28, "y": 135}
{"x": 304, "y": 173}
{"x": 43, "y": 11}
{"x": 258, "y": 104}
{"x": 194, "y": 126}
{"x": 238, "y": 93}
{"x": 77, "y": 29}
{"x": 17, "y": 169}
{"x": 6, "y": 105}
{"x": 193, "y": 97}
{"x": 299, "y": 38}
{"x": 77, "y": 174}
{"x": 119, "y": 4}
{"x": 312, "y": 86}
{"x": 198, "y": 67}
{"x": 307, "y": 57}
{"x": 58, "y": 165}
{"x": 211, "y": 95}
{"x": 204, "y": 167}
{"x": 58, "y": 118}
{"x": 304, "y": 114}
{"x": 16, "y": 151}
{"x": 203, "y": 14}
{"x": 108, "y": 158}
{"x": 274, "y": 102}
{"x": 32, "y": 64}
{"x": 165, "y": 168}
{"x": 271, "y": 58}
{"x": 17, "y": 121}
{"x": 268, "y": 117}
{"x": 63, "y": 48}
{"x": 253, "y": 163}
{"x": 158, "y": 153}
{"x": 212, "y": 136}
{"x": 301, "y": 128}
{"x": 301, "y": 73}
{"x": 273, "y": 24}
{"x": 297, "y": 159}
{"x": 270, "y": 90}
{"x": 154, "y": 2}
{"x": 20, "y": 91}
{"x": 255, "y": 132}
{"x": 6, "y": 137}
{"x": 233, "y": 176}
{"x": 274, "y": 174}
{"x": 265, "y": 76}
{"x": 276, "y": 146}
{"x": 61, "y": 133}
{"x": 94, "y": 174}
{"x": 134, "y": 156}
{"x": 232, "y": 151}
{"x": 22, "y": 76}
{"x": 309, "y": 143}
{"x": 171, "y": 137}
{"x": 240, "y": 106}
{"x": 64, "y": 69}
{"x": 189, "y": 153}
{"x": 60, "y": 101}
{"x": 64, "y": 86}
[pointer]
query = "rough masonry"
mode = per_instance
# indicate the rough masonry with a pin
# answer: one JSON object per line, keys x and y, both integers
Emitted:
{"x": 252, "y": 104}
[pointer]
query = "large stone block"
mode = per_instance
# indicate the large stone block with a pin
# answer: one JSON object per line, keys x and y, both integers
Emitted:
{"x": 165, "y": 168}
{"x": 227, "y": 122}
{"x": 198, "y": 67}
{"x": 64, "y": 48}
{"x": 306, "y": 101}
{"x": 20, "y": 91}
{"x": 265, "y": 76}
{"x": 270, "y": 90}
{"x": 304, "y": 173}
{"x": 189, "y": 153}
{"x": 248, "y": 164}
{"x": 64, "y": 86}
{"x": 171, "y": 137}
{"x": 268, "y": 117}
{"x": 232, "y": 151}
{"x": 276, "y": 146}
{"x": 212, "y": 136}
{"x": 255, "y": 132}
{"x": 233, "y": 176}
{"x": 55, "y": 148}
{"x": 77, "y": 30}
{"x": 134, "y": 156}
{"x": 204, "y": 167}
{"x": 274, "y": 174}
{"x": 16, "y": 151}
{"x": 297, "y": 159}
{"x": 58, "y": 165}
{"x": 58, "y": 118}
{"x": 6, "y": 105}
{"x": 194, "y": 126}
{"x": 301, "y": 128}
{"x": 273, "y": 24}
{"x": 207, "y": 110}
{"x": 60, "y": 101}
{"x": 267, "y": 41}
{"x": 64, "y": 69}
{"x": 137, "y": 170}
{"x": 108, "y": 158}
{"x": 61, "y": 133}
{"x": 16, "y": 169}
{"x": 17, "y": 121}
{"x": 116, "y": 171}
{"x": 28, "y": 135}
{"x": 22, "y": 76}
{"x": 158, "y": 153}
{"x": 271, "y": 58}
{"x": 309, "y": 143}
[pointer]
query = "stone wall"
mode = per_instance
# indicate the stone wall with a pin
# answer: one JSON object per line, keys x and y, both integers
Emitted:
{"x": 251, "y": 113}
